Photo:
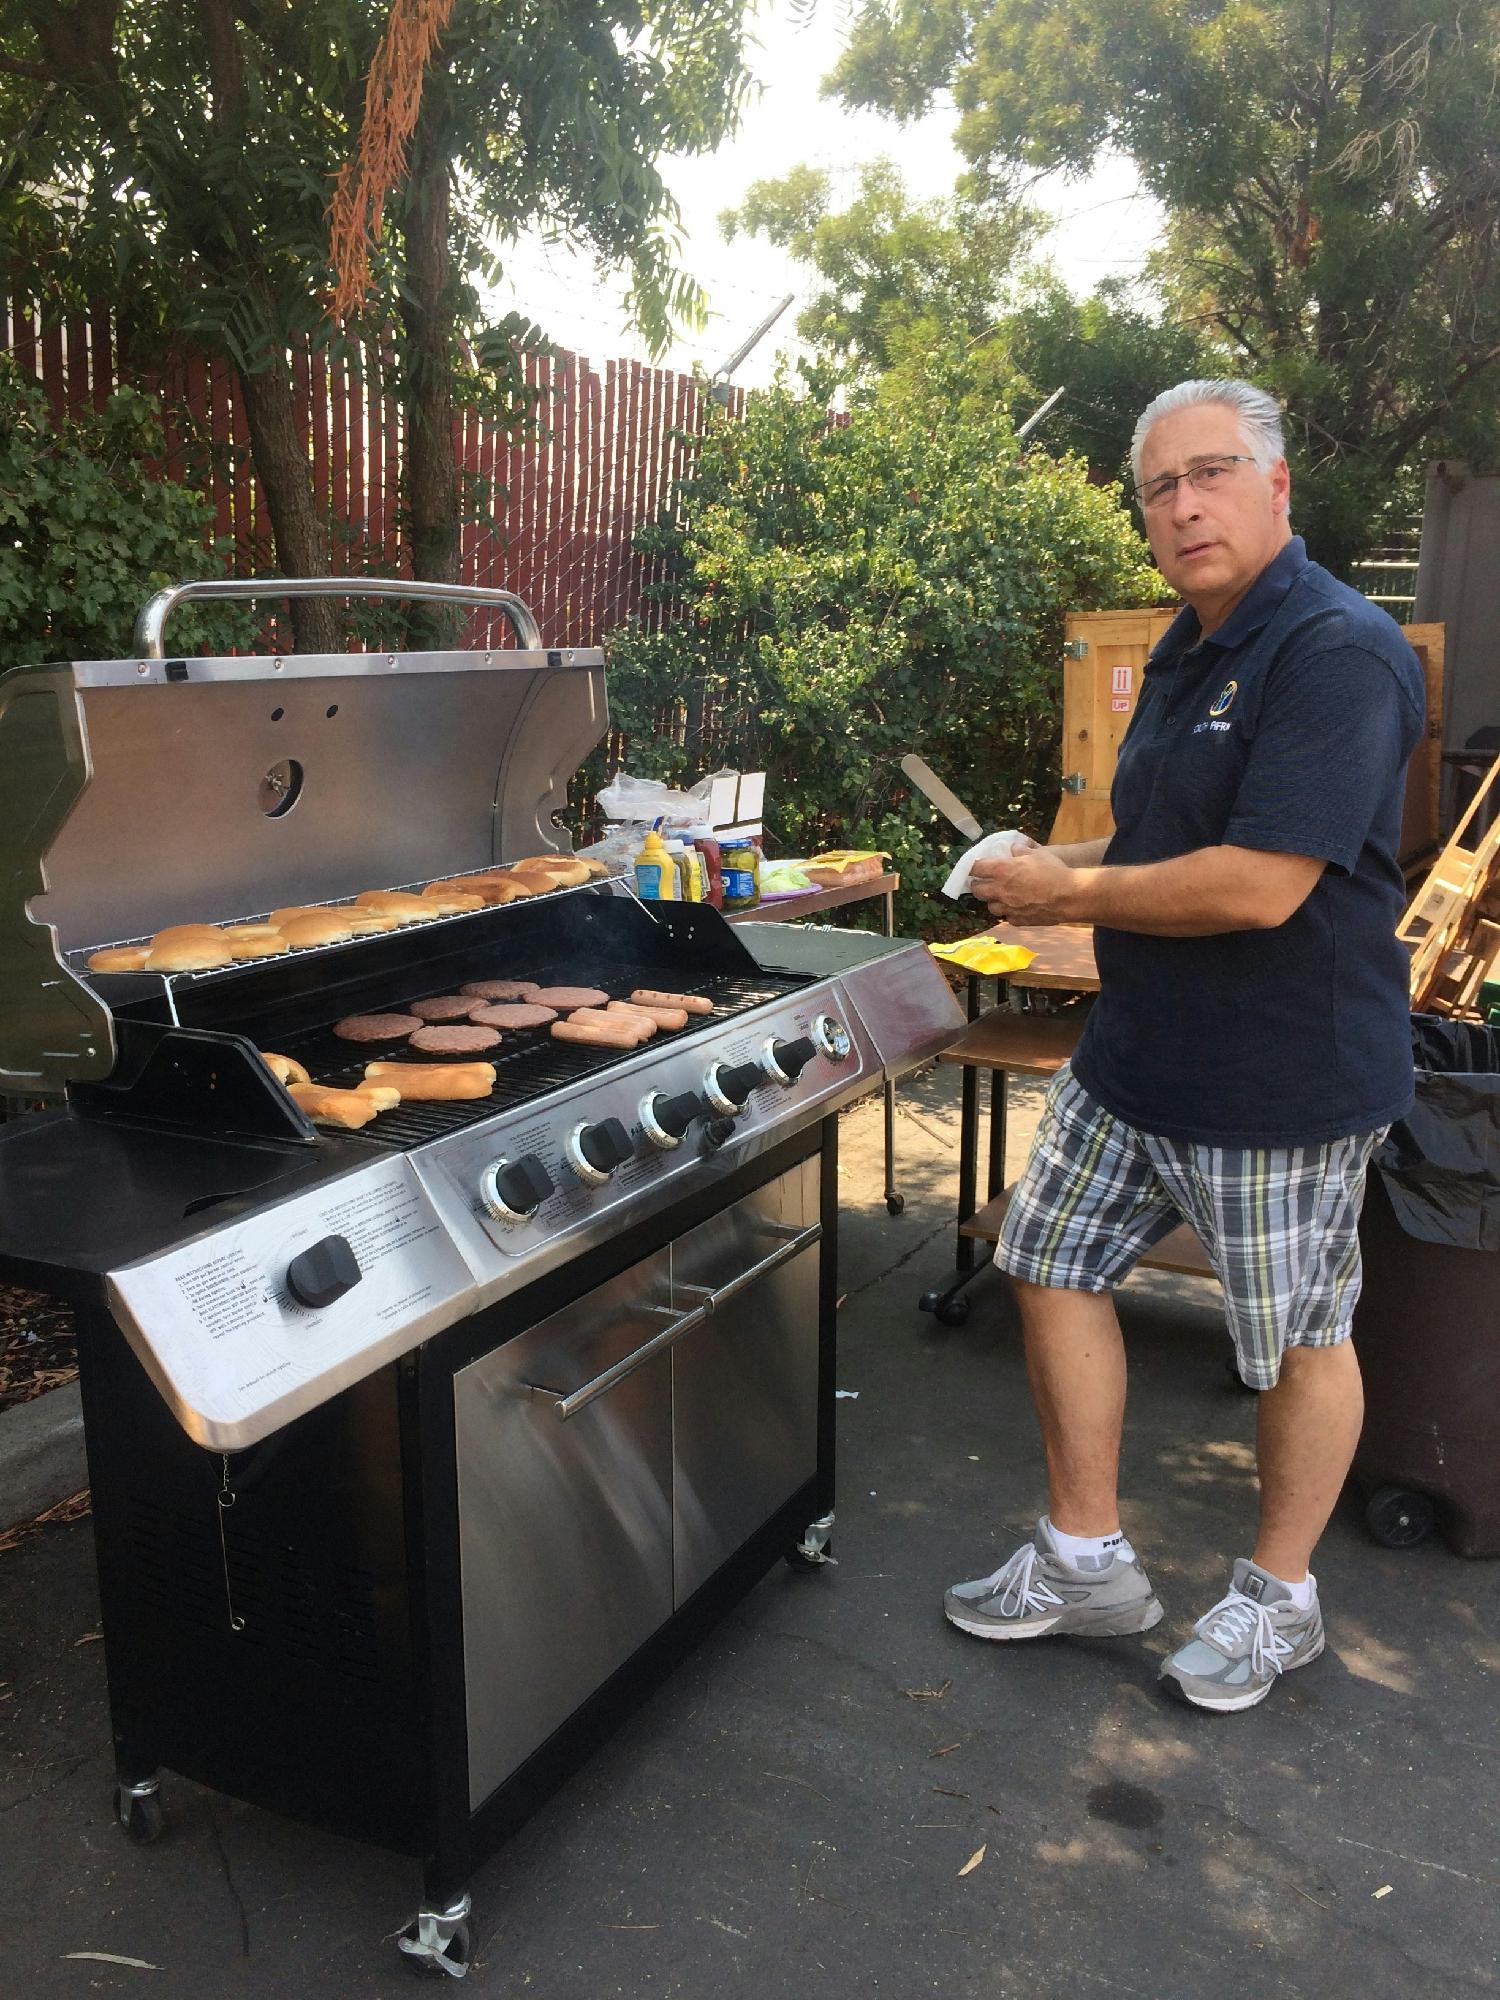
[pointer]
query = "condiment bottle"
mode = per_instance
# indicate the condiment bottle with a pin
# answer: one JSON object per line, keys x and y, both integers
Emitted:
{"x": 703, "y": 840}
{"x": 688, "y": 890}
{"x": 655, "y": 871}
{"x": 740, "y": 859}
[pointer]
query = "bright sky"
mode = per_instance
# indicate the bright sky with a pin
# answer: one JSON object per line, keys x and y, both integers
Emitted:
{"x": 1104, "y": 225}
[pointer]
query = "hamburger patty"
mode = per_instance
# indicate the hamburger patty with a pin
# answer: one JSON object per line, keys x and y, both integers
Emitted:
{"x": 376, "y": 1027}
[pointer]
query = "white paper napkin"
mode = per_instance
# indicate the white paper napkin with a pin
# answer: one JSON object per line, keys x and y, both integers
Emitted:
{"x": 994, "y": 847}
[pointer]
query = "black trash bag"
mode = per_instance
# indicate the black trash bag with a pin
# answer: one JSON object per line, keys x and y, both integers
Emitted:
{"x": 1441, "y": 1163}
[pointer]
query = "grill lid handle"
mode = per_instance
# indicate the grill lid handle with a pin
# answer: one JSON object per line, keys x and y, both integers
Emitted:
{"x": 150, "y": 624}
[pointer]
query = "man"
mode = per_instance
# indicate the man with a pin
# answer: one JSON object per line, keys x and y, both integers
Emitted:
{"x": 1249, "y": 1045}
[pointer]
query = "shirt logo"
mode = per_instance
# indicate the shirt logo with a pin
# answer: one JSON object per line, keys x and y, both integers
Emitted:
{"x": 1224, "y": 699}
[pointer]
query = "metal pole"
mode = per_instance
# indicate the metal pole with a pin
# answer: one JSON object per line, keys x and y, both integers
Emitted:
{"x": 1036, "y": 416}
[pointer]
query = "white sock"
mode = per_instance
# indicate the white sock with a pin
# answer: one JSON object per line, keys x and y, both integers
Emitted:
{"x": 1303, "y": 1592}
{"x": 1090, "y": 1551}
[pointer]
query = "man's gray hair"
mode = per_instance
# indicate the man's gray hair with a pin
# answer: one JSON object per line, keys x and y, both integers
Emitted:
{"x": 1259, "y": 415}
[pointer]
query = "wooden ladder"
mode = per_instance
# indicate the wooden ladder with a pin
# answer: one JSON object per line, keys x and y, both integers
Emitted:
{"x": 1437, "y": 917}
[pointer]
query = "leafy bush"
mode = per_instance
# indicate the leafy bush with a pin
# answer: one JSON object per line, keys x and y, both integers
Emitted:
{"x": 88, "y": 531}
{"x": 840, "y": 594}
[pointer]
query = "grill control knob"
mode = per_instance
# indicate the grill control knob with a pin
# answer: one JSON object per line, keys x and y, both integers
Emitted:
{"x": 832, "y": 1037}
{"x": 512, "y": 1190}
{"x": 665, "y": 1120}
{"x": 594, "y": 1151}
{"x": 784, "y": 1062}
{"x": 728, "y": 1086}
{"x": 321, "y": 1274}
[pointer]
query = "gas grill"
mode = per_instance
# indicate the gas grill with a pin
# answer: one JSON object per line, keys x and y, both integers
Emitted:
{"x": 421, "y": 1452}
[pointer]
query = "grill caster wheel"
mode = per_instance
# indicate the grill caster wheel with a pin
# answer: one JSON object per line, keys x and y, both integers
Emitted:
{"x": 815, "y": 1547}
{"x": 895, "y": 1204}
{"x": 1399, "y": 1519}
{"x": 138, "y": 1809}
{"x": 951, "y": 1312}
{"x": 437, "y": 1944}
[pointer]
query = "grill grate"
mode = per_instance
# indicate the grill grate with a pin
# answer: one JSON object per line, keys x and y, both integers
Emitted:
{"x": 529, "y": 1064}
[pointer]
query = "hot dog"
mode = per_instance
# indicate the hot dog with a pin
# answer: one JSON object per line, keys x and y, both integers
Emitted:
{"x": 693, "y": 1002}
{"x": 600, "y": 1034}
{"x": 662, "y": 1017}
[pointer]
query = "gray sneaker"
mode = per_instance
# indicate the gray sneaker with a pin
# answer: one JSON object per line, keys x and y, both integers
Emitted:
{"x": 1036, "y": 1592}
{"x": 1240, "y": 1647}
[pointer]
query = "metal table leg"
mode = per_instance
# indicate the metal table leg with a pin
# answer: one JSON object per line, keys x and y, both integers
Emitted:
{"x": 895, "y": 1202}
{"x": 947, "y": 1306}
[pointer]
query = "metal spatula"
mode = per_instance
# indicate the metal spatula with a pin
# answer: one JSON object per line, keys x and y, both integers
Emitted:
{"x": 948, "y": 803}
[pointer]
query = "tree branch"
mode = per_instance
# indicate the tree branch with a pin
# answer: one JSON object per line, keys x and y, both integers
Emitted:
{"x": 226, "y": 67}
{"x": 1416, "y": 427}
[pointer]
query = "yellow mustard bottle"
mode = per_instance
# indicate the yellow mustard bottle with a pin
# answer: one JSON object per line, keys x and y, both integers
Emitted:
{"x": 655, "y": 871}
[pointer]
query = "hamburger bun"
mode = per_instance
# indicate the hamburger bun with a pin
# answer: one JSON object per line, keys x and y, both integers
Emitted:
{"x": 187, "y": 954}
{"x": 323, "y": 928}
{"x": 272, "y": 945}
{"x": 399, "y": 903}
{"x": 175, "y": 931}
{"x": 119, "y": 958}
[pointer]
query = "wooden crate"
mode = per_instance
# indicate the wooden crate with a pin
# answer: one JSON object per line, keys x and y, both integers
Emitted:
{"x": 1100, "y": 687}
{"x": 1102, "y": 667}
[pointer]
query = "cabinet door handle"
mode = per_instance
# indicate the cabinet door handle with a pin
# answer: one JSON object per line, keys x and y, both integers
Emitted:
{"x": 678, "y": 1323}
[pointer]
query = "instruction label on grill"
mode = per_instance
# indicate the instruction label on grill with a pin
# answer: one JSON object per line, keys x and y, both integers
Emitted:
{"x": 237, "y": 1354}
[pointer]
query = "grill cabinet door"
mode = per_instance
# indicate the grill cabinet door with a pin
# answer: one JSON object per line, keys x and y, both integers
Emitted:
{"x": 566, "y": 1524}
{"x": 745, "y": 1384}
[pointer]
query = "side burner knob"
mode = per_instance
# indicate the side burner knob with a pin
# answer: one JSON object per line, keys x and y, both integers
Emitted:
{"x": 784, "y": 1062}
{"x": 512, "y": 1190}
{"x": 665, "y": 1120}
{"x": 321, "y": 1274}
{"x": 832, "y": 1037}
{"x": 728, "y": 1086}
{"x": 594, "y": 1151}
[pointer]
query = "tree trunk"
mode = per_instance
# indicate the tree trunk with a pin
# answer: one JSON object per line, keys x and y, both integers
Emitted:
{"x": 427, "y": 317}
{"x": 300, "y": 534}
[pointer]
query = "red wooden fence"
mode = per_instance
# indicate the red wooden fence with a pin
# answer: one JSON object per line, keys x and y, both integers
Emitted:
{"x": 571, "y": 489}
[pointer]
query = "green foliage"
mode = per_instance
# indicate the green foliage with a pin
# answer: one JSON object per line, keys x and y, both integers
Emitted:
{"x": 181, "y": 159}
{"x": 839, "y": 594}
{"x": 1329, "y": 173}
{"x": 87, "y": 533}
{"x": 1110, "y": 354}
{"x": 895, "y": 275}
{"x": 176, "y": 162}
{"x": 898, "y": 279}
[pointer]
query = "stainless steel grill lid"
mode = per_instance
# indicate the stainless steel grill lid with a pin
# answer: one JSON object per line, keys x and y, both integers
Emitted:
{"x": 150, "y": 791}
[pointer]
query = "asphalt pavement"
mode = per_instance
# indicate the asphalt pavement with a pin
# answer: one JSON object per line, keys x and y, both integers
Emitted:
{"x": 840, "y": 1795}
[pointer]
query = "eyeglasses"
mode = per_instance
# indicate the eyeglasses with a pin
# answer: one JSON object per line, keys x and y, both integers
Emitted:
{"x": 1205, "y": 477}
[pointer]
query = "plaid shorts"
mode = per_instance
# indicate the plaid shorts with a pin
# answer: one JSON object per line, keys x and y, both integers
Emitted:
{"x": 1280, "y": 1224}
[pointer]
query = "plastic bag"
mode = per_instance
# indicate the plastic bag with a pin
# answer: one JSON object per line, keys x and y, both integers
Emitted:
{"x": 1441, "y": 1163}
{"x": 640, "y": 801}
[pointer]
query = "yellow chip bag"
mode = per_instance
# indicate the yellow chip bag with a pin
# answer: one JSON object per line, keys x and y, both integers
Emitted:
{"x": 984, "y": 956}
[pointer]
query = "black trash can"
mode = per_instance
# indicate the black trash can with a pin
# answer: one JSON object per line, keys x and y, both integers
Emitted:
{"x": 1427, "y": 1327}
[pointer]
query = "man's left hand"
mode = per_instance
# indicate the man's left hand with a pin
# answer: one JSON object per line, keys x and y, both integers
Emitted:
{"x": 1034, "y": 888}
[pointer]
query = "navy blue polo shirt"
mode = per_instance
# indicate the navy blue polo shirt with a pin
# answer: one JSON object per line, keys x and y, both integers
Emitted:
{"x": 1289, "y": 729}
